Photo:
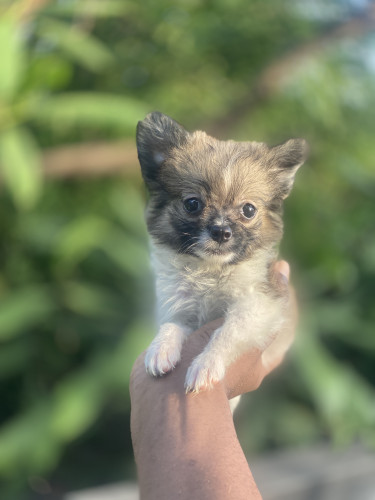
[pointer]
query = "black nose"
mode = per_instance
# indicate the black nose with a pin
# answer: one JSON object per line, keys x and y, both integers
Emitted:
{"x": 220, "y": 233}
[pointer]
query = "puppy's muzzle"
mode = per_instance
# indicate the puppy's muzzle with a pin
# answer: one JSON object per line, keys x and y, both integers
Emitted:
{"x": 220, "y": 234}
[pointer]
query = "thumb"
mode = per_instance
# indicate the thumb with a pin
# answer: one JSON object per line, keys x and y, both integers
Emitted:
{"x": 282, "y": 268}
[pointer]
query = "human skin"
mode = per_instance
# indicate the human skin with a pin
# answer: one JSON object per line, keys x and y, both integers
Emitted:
{"x": 185, "y": 445}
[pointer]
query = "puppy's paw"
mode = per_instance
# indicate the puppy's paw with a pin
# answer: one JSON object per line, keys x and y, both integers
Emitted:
{"x": 206, "y": 370}
{"x": 161, "y": 359}
{"x": 164, "y": 351}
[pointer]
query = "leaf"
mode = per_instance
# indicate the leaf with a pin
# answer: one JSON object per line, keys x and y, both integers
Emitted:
{"x": 23, "y": 438}
{"x": 40, "y": 231}
{"x": 90, "y": 299}
{"x": 77, "y": 402}
{"x": 21, "y": 166}
{"x": 129, "y": 254}
{"x": 49, "y": 72}
{"x": 14, "y": 357}
{"x": 23, "y": 309}
{"x": 344, "y": 399}
{"x": 91, "y": 109}
{"x": 342, "y": 319}
{"x": 94, "y": 8}
{"x": 33, "y": 439}
{"x": 80, "y": 397}
{"x": 134, "y": 340}
{"x": 77, "y": 239}
{"x": 128, "y": 206}
{"x": 12, "y": 65}
{"x": 80, "y": 46}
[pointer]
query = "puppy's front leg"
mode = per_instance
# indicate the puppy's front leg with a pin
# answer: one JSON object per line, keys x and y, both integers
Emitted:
{"x": 250, "y": 324}
{"x": 164, "y": 352}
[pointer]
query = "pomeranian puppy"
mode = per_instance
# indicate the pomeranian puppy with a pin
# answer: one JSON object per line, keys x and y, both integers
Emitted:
{"x": 215, "y": 221}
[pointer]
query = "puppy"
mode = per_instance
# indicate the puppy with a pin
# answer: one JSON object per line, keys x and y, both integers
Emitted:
{"x": 215, "y": 220}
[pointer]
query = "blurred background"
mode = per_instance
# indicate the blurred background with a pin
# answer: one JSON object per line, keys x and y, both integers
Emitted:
{"x": 75, "y": 283}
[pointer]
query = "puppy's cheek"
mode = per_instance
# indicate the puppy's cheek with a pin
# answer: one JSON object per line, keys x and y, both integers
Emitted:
{"x": 164, "y": 352}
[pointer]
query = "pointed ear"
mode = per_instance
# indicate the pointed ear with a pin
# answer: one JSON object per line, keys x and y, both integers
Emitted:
{"x": 286, "y": 160}
{"x": 157, "y": 134}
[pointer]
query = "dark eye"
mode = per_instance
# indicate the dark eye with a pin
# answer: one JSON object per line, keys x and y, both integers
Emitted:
{"x": 249, "y": 210}
{"x": 193, "y": 205}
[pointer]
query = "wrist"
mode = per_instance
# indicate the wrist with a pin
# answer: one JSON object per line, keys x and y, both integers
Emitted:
{"x": 162, "y": 402}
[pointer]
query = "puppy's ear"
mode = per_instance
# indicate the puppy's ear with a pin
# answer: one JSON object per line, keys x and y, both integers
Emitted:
{"x": 286, "y": 159}
{"x": 157, "y": 135}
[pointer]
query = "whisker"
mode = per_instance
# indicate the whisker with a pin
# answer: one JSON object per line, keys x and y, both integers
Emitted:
{"x": 187, "y": 246}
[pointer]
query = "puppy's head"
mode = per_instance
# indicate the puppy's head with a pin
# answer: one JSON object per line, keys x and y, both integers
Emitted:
{"x": 216, "y": 200}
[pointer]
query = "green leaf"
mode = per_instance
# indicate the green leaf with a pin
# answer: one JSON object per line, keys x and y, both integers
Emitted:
{"x": 77, "y": 239}
{"x": 129, "y": 254}
{"x": 91, "y": 109}
{"x": 78, "y": 400}
{"x": 94, "y": 8}
{"x": 48, "y": 71}
{"x": 12, "y": 65}
{"x": 128, "y": 206}
{"x": 21, "y": 166}
{"x": 90, "y": 299}
{"x": 80, "y": 46}
{"x": 342, "y": 319}
{"x": 344, "y": 399}
{"x": 24, "y": 438}
{"x": 33, "y": 439}
{"x": 23, "y": 309}
{"x": 14, "y": 356}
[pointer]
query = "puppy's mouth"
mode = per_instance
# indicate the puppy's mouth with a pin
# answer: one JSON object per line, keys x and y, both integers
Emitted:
{"x": 217, "y": 251}
{"x": 217, "y": 256}
{"x": 208, "y": 249}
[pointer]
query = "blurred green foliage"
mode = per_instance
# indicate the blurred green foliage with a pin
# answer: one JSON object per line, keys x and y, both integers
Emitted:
{"x": 75, "y": 285}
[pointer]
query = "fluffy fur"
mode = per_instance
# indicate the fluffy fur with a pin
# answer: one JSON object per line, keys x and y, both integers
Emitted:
{"x": 215, "y": 221}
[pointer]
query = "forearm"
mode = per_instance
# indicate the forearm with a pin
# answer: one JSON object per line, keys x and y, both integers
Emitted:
{"x": 186, "y": 445}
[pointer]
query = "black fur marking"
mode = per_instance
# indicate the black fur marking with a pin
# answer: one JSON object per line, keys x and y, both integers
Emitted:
{"x": 156, "y": 136}
{"x": 187, "y": 235}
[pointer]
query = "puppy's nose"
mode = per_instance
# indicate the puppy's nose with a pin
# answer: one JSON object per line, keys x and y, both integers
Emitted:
{"x": 220, "y": 233}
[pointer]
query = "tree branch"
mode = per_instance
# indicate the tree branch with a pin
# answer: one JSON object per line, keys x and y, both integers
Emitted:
{"x": 91, "y": 160}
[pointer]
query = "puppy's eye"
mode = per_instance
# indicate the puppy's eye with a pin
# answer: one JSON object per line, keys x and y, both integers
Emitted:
{"x": 193, "y": 205}
{"x": 248, "y": 210}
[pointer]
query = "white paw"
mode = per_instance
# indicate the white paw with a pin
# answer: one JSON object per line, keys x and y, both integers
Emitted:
{"x": 205, "y": 371}
{"x": 164, "y": 351}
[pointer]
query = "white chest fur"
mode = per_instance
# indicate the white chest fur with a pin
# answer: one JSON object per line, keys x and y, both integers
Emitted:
{"x": 193, "y": 292}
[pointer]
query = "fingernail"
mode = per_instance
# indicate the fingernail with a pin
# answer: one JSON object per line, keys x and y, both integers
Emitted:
{"x": 284, "y": 270}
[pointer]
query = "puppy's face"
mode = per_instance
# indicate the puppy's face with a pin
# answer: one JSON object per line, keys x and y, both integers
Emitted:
{"x": 216, "y": 200}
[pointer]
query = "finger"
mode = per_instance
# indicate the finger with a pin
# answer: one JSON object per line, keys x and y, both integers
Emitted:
{"x": 279, "y": 278}
{"x": 245, "y": 374}
{"x": 282, "y": 268}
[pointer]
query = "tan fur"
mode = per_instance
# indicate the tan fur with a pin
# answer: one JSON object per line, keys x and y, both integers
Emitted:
{"x": 199, "y": 277}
